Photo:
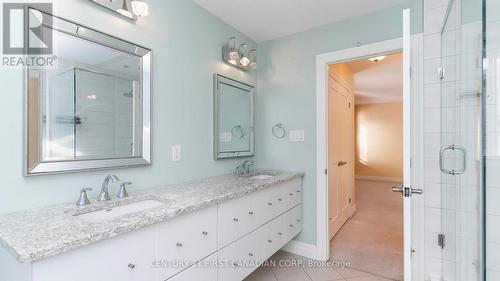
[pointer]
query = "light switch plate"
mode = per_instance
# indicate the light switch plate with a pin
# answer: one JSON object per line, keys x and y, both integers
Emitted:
{"x": 296, "y": 135}
{"x": 176, "y": 153}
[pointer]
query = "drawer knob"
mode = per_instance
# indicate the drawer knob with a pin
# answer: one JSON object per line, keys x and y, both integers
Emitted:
{"x": 291, "y": 194}
{"x": 236, "y": 220}
{"x": 251, "y": 213}
{"x": 235, "y": 264}
{"x": 250, "y": 254}
{"x": 204, "y": 233}
{"x": 298, "y": 191}
{"x": 270, "y": 241}
{"x": 298, "y": 220}
{"x": 279, "y": 199}
{"x": 179, "y": 244}
{"x": 269, "y": 204}
{"x": 279, "y": 233}
{"x": 131, "y": 265}
{"x": 291, "y": 225}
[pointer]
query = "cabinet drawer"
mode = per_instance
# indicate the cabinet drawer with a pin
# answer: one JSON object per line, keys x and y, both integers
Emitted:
{"x": 241, "y": 216}
{"x": 205, "y": 270}
{"x": 242, "y": 257}
{"x": 292, "y": 223}
{"x": 186, "y": 240}
{"x": 293, "y": 193}
{"x": 127, "y": 257}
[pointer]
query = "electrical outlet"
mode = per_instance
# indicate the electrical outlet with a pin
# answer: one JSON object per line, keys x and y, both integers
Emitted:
{"x": 296, "y": 135}
{"x": 176, "y": 153}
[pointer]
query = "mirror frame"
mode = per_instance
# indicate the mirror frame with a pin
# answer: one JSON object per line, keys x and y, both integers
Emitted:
{"x": 67, "y": 166}
{"x": 218, "y": 78}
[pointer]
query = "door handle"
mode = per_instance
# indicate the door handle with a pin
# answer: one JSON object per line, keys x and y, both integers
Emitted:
{"x": 341, "y": 163}
{"x": 407, "y": 191}
{"x": 441, "y": 159}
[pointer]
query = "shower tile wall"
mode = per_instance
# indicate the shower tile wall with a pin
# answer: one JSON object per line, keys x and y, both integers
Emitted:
{"x": 451, "y": 110}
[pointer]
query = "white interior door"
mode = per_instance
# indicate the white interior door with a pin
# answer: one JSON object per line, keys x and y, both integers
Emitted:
{"x": 340, "y": 145}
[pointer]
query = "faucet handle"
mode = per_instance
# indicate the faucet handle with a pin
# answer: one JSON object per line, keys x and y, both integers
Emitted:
{"x": 83, "y": 199}
{"x": 122, "y": 193}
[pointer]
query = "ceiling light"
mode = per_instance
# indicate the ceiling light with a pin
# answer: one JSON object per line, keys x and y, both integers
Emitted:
{"x": 140, "y": 8}
{"x": 377, "y": 59}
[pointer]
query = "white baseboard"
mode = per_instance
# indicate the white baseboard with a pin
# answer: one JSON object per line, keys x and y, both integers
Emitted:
{"x": 385, "y": 179}
{"x": 302, "y": 249}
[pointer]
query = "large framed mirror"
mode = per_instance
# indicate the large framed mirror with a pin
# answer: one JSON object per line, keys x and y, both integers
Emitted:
{"x": 91, "y": 109}
{"x": 233, "y": 118}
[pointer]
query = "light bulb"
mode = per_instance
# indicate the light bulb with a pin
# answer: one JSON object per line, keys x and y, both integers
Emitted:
{"x": 233, "y": 55}
{"x": 233, "y": 62}
{"x": 140, "y": 8}
{"x": 244, "y": 61}
{"x": 124, "y": 10}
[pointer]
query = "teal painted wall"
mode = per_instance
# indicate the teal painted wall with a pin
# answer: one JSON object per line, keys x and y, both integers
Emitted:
{"x": 186, "y": 42}
{"x": 287, "y": 92}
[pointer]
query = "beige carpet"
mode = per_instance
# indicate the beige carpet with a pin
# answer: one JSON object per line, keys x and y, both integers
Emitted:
{"x": 372, "y": 240}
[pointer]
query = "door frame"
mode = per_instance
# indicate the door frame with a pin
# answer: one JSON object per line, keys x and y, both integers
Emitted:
{"x": 416, "y": 131}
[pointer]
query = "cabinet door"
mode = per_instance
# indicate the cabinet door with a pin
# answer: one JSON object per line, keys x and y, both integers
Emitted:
{"x": 292, "y": 224}
{"x": 205, "y": 270}
{"x": 186, "y": 240}
{"x": 127, "y": 257}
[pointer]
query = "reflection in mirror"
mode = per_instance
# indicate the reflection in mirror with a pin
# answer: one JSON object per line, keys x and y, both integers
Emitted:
{"x": 90, "y": 110}
{"x": 234, "y": 118}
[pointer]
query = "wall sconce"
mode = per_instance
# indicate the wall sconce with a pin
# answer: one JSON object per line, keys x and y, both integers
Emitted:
{"x": 240, "y": 56}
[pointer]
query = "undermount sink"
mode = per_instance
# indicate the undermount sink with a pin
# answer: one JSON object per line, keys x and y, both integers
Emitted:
{"x": 261, "y": 177}
{"x": 118, "y": 211}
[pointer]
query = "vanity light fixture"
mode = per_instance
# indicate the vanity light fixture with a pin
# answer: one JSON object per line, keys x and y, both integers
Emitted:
{"x": 239, "y": 57}
{"x": 377, "y": 59}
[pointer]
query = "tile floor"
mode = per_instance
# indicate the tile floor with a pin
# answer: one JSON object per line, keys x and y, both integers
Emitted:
{"x": 376, "y": 223}
{"x": 305, "y": 273}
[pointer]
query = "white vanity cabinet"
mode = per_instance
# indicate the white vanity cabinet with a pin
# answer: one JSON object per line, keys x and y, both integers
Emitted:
{"x": 224, "y": 242}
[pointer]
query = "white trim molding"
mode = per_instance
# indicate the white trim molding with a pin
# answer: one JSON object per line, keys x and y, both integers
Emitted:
{"x": 322, "y": 62}
{"x": 302, "y": 249}
{"x": 382, "y": 179}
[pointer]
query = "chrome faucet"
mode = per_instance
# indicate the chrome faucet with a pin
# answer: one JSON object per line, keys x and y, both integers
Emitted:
{"x": 244, "y": 168}
{"x": 104, "y": 195}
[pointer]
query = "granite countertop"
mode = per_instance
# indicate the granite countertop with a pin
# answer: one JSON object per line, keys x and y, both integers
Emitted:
{"x": 40, "y": 233}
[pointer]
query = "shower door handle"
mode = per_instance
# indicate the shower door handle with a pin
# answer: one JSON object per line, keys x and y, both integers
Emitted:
{"x": 441, "y": 159}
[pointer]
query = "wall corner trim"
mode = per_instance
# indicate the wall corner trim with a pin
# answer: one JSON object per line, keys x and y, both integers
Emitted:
{"x": 303, "y": 249}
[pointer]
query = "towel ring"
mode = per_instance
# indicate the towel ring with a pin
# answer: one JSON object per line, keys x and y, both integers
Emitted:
{"x": 278, "y": 131}
{"x": 238, "y": 132}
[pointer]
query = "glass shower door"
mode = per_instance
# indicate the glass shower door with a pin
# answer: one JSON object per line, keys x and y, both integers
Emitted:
{"x": 460, "y": 76}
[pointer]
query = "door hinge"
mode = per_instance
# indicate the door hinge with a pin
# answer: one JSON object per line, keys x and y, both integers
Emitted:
{"x": 326, "y": 171}
{"x": 350, "y": 200}
{"x": 441, "y": 240}
{"x": 349, "y": 105}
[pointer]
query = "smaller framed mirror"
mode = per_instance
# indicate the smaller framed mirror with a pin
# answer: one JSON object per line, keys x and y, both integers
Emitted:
{"x": 233, "y": 118}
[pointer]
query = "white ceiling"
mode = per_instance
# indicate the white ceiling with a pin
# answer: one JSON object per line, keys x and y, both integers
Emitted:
{"x": 378, "y": 82}
{"x": 264, "y": 20}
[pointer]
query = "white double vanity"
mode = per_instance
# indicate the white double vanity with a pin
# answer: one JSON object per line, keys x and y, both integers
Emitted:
{"x": 219, "y": 228}
{"x": 87, "y": 116}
